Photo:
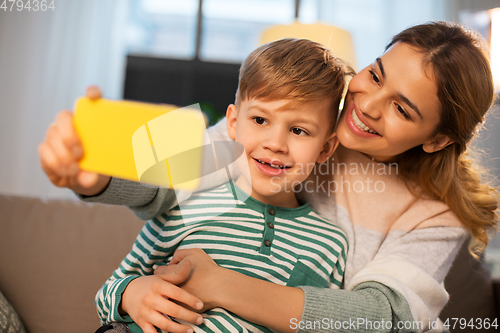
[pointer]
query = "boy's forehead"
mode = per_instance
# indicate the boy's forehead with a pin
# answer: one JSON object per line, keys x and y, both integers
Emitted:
{"x": 286, "y": 104}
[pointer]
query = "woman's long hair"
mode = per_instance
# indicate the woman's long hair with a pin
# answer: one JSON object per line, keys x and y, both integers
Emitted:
{"x": 459, "y": 59}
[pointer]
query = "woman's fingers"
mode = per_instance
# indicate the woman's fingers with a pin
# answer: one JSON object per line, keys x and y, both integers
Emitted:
{"x": 179, "y": 255}
{"x": 64, "y": 146}
{"x": 68, "y": 134}
{"x": 93, "y": 92}
{"x": 87, "y": 179}
{"x": 64, "y": 157}
{"x": 174, "y": 273}
{"x": 50, "y": 164}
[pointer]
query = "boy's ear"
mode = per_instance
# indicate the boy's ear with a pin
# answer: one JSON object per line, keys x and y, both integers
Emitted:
{"x": 231, "y": 114}
{"x": 328, "y": 148}
{"x": 439, "y": 142}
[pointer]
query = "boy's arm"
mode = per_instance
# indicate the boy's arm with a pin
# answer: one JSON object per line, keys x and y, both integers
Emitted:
{"x": 126, "y": 296}
{"x": 136, "y": 264}
{"x": 150, "y": 201}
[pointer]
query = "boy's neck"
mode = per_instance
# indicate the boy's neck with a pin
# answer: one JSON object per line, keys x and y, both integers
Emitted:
{"x": 285, "y": 199}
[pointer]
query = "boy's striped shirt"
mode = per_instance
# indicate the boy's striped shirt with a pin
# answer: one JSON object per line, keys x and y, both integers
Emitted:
{"x": 287, "y": 246}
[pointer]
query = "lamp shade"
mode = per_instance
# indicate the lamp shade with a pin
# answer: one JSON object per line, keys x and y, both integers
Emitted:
{"x": 336, "y": 39}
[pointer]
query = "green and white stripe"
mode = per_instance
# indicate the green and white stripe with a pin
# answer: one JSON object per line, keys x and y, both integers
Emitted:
{"x": 305, "y": 249}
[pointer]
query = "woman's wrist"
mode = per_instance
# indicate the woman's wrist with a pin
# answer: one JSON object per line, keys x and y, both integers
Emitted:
{"x": 261, "y": 302}
{"x": 224, "y": 279}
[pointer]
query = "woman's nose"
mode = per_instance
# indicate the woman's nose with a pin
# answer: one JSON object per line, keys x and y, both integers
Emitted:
{"x": 371, "y": 104}
{"x": 276, "y": 141}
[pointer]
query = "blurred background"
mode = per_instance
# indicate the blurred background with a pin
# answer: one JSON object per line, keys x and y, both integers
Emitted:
{"x": 180, "y": 52}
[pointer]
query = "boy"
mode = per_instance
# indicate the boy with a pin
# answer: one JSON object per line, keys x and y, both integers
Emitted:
{"x": 286, "y": 105}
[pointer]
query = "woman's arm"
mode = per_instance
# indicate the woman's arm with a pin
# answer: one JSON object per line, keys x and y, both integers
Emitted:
{"x": 264, "y": 303}
{"x": 401, "y": 288}
{"x": 289, "y": 309}
{"x": 261, "y": 302}
{"x": 150, "y": 201}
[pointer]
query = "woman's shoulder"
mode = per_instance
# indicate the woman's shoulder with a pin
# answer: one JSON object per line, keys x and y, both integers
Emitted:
{"x": 424, "y": 213}
{"x": 376, "y": 196}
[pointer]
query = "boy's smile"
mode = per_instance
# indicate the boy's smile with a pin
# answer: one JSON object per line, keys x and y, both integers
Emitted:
{"x": 282, "y": 144}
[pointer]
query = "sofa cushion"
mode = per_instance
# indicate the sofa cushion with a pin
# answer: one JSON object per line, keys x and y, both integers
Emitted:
{"x": 9, "y": 320}
{"x": 471, "y": 290}
{"x": 56, "y": 254}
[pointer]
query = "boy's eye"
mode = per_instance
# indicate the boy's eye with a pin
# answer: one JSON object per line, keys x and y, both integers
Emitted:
{"x": 259, "y": 120}
{"x": 298, "y": 131}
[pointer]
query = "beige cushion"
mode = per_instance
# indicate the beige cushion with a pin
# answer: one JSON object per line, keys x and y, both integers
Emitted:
{"x": 54, "y": 257}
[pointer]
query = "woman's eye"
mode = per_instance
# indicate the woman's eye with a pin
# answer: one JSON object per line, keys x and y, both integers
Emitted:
{"x": 298, "y": 131}
{"x": 259, "y": 120}
{"x": 374, "y": 77}
{"x": 402, "y": 111}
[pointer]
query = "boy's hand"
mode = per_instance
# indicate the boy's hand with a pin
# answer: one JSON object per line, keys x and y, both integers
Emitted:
{"x": 147, "y": 298}
{"x": 62, "y": 149}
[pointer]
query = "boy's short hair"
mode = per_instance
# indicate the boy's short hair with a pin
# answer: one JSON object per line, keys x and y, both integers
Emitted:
{"x": 298, "y": 70}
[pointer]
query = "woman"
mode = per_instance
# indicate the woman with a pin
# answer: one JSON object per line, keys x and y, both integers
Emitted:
{"x": 404, "y": 191}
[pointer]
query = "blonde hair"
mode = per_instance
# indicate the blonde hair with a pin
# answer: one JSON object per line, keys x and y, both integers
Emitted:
{"x": 298, "y": 70}
{"x": 459, "y": 59}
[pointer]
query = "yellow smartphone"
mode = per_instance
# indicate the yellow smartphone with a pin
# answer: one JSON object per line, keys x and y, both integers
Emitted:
{"x": 153, "y": 144}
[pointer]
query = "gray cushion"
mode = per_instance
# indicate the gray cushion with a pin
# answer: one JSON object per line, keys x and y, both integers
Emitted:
{"x": 471, "y": 289}
{"x": 9, "y": 320}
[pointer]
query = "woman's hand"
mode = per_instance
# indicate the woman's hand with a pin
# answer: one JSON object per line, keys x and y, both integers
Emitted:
{"x": 261, "y": 302}
{"x": 147, "y": 298}
{"x": 62, "y": 149}
{"x": 205, "y": 279}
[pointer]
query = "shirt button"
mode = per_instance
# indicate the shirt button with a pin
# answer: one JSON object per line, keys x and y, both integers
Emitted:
{"x": 267, "y": 242}
{"x": 270, "y": 225}
{"x": 271, "y": 211}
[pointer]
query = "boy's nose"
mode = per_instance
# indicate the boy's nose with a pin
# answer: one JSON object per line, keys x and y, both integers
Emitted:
{"x": 276, "y": 141}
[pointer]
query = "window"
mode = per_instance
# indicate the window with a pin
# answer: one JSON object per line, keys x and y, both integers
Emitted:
{"x": 162, "y": 28}
{"x": 232, "y": 29}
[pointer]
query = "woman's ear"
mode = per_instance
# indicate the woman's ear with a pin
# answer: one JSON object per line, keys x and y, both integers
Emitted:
{"x": 439, "y": 142}
{"x": 328, "y": 148}
{"x": 231, "y": 115}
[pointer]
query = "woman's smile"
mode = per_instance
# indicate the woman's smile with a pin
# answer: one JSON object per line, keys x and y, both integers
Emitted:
{"x": 359, "y": 127}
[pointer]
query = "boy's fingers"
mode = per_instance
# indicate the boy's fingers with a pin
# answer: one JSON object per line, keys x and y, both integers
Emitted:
{"x": 93, "y": 92}
{"x": 148, "y": 328}
{"x": 167, "y": 325}
{"x": 176, "y": 293}
{"x": 69, "y": 136}
{"x": 177, "y": 311}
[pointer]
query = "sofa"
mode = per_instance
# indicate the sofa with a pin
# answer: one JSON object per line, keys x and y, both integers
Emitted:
{"x": 55, "y": 255}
